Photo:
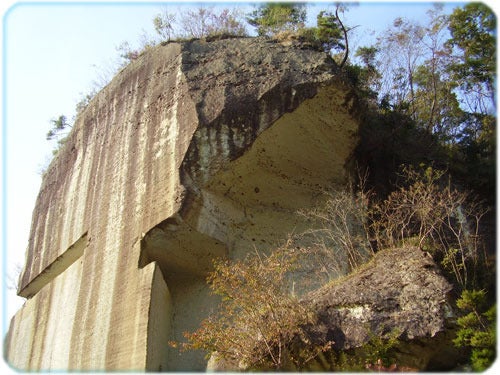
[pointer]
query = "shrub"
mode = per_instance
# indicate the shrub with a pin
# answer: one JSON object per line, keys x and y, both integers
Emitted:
{"x": 205, "y": 22}
{"x": 429, "y": 212}
{"x": 339, "y": 233}
{"x": 260, "y": 321}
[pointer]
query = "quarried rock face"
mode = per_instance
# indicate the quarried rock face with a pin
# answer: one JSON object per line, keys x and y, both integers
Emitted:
{"x": 194, "y": 151}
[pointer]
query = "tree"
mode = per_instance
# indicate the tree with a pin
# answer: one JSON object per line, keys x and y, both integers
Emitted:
{"x": 273, "y": 18}
{"x": 473, "y": 67}
{"x": 195, "y": 23}
{"x": 437, "y": 109}
{"x": 473, "y": 30}
{"x": 445, "y": 84}
{"x": 127, "y": 53}
{"x": 477, "y": 328}
{"x": 228, "y": 21}
{"x": 57, "y": 132}
{"x": 200, "y": 23}
{"x": 164, "y": 24}
{"x": 332, "y": 34}
{"x": 58, "y": 125}
{"x": 344, "y": 33}
{"x": 366, "y": 76}
{"x": 203, "y": 22}
{"x": 401, "y": 51}
{"x": 339, "y": 235}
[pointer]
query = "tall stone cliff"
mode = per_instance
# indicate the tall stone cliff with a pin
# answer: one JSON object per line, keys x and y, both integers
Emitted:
{"x": 195, "y": 150}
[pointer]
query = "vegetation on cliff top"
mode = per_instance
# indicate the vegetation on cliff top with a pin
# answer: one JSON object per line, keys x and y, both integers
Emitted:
{"x": 270, "y": 19}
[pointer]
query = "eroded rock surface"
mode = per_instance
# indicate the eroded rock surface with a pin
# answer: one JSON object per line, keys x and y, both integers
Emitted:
{"x": 400, "y": 292}
{"x": 195, "y": 150}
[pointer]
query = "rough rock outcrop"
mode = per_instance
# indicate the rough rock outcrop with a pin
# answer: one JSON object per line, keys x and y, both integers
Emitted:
{"x": 400, "y": 292}
{"x": 195, "y": 150}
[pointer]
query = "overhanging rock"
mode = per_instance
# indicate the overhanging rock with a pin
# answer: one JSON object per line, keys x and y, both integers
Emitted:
{"x": 195, "y": 150}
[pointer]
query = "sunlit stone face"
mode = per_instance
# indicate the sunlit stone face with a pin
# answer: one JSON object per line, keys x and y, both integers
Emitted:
{"x": 192, "y": 152}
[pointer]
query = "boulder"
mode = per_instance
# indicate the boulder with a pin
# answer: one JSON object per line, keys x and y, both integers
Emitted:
{"x": 401, "y": 293}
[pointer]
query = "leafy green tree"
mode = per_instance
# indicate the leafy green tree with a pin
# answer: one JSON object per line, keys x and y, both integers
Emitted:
{"x": 445, "y": 84}
{"x": 332, "y": 33}
{"x": 329, "y": 34}
{"x": 273, "y": 18}
{"x": 437, "y": 108}
{"x": 59, "y": 131}
{"x": 477, "y": 328}
{"x": 473, "y": 39}
{"x": 473, "y": 68}
{"x": 328, "y": 31}
{"x": 368, "y": 58}
{"x": 436, "y": 105}
{"x": 366, "y": 75}
{"x": 58, "y": 126}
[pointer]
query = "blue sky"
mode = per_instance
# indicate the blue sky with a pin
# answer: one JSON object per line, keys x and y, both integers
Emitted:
{"x": 52, "y": 54}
